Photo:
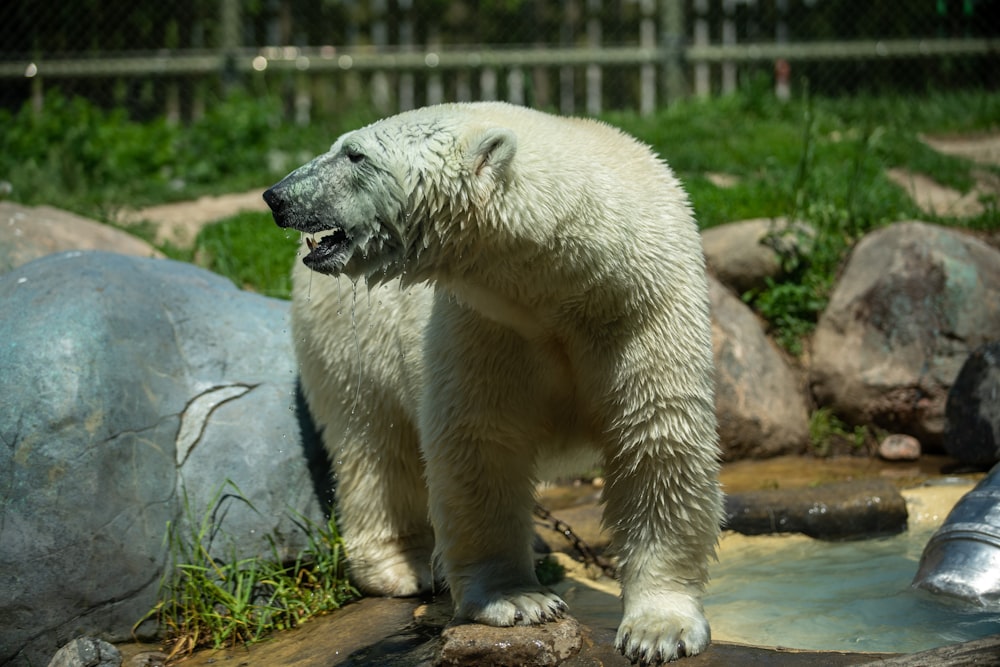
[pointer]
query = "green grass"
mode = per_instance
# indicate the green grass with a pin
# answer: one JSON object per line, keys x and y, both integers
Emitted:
{"x": 81, "y": 158}
{"x": 251, "y": 251}
{"x": 206, "y": 601}
{"x": 827, "y": 431}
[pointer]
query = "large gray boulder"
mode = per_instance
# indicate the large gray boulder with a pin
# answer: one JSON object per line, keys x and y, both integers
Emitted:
{"x": 913, "y": 301}
{"x": 129, "y": 384}
{"x": 760, "y": 402}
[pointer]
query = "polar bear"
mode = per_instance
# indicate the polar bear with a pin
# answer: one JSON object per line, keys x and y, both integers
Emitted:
{"x": 533, "y": 292}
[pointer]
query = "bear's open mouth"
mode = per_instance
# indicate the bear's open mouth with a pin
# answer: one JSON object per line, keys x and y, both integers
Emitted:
{"x": 329, "y": 253}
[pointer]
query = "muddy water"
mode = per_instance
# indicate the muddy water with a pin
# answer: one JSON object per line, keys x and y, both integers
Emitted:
{"x": 788, "y": 472}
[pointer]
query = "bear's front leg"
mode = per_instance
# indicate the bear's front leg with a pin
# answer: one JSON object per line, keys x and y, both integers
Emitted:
{"x": 481, "y": 495}
{"x": 664, "y": 507}
{"x": 479, "y": 434}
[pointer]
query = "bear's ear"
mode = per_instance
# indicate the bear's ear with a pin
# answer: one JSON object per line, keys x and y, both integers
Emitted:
{"x": 491, "y": 151}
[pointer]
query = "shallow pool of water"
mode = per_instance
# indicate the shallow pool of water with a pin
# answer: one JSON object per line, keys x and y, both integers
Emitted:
{"x": 797, "y": 592}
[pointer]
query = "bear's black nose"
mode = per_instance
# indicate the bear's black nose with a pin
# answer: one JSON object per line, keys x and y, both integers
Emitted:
{"x": 275, "y": 199}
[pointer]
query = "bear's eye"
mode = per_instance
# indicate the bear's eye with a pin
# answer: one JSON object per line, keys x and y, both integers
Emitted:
{"x": 355, "y": 155}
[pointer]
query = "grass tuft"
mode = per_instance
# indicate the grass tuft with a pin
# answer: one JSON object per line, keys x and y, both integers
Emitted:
{"x": 206, "y": 601}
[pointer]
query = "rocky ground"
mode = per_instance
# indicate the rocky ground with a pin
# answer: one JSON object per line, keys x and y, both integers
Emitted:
{"x": 935, "y": 198}
{"x": 413, "y": 632}
{"x": 179, "y": 223}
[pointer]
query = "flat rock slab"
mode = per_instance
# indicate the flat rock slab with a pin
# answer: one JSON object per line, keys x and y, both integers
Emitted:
{"x": 383, "y": 632}
{"x": 838, "y": 511}
{"x": 391, "y": 633}
{"x": 984, "y": 652}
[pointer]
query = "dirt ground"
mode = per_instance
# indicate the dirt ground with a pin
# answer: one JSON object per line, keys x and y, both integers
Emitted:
{"x": 934, "y": 198}
{"x": 180, "y": 222}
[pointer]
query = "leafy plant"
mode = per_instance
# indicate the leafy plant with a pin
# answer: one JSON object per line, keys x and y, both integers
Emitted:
{"x": 827, "y": 430}
{"x": 549, "y": 571}
{"x": 85, "y": 159}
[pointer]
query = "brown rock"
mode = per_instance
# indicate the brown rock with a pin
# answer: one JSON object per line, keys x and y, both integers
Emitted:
{"x": 30, "y": 232}
{"x": 743, "y": 255}
{"x": 472, "y": 644}
{"x": 760, "y": 403}
{"x": 913, "y": 301}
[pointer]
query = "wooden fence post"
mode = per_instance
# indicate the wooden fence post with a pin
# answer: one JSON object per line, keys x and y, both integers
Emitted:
{"x": 702, "y": 70}
{"x": 672, "y": 38}
{"x": 380, "y": 95}
{"x": 728, "y": 39}
{"x": 488, "y": 84}
{"x": 647, "y": 72}
{"x": 567, "y": 73}
{"x": 435, "y": 84}
{"x": 407, "y": 43}
{"x": 594, "y": 75}
{"x": 229, "y": 37}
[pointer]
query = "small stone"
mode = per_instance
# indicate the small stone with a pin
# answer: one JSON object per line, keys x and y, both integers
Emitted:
{"x": 899, "y": 447}
{"x": 87, "y": 652}
{"x": 148, "y": 659}
{"x": 472, "y": 644}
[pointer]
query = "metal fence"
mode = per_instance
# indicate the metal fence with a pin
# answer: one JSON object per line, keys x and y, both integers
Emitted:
{"x": 574, "y": 56}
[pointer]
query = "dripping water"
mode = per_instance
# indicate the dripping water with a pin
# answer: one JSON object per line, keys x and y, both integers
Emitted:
{"x": 357, "y": 340}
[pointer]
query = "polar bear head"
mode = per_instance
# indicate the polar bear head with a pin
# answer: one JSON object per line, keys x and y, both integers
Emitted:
{"x": 383, "y": 200}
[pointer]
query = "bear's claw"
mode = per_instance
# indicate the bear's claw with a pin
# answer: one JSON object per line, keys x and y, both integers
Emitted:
{"x": 520, "y": 608}
{"x": 663, "y": 632}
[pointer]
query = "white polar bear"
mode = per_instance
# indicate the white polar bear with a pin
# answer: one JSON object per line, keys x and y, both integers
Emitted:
{"x": 535, "y": 290}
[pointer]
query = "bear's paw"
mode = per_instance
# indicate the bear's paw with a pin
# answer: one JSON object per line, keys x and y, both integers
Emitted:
{"x": 674, "y": 626}
{"x": 527, "y": 607}
{"x": 401, "y": 574}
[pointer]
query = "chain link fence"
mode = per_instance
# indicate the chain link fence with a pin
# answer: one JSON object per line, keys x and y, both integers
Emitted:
{"x": 573, "y": 56}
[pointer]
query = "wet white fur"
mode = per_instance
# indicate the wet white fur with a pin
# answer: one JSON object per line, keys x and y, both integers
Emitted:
{"x": 538, "y": 292}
